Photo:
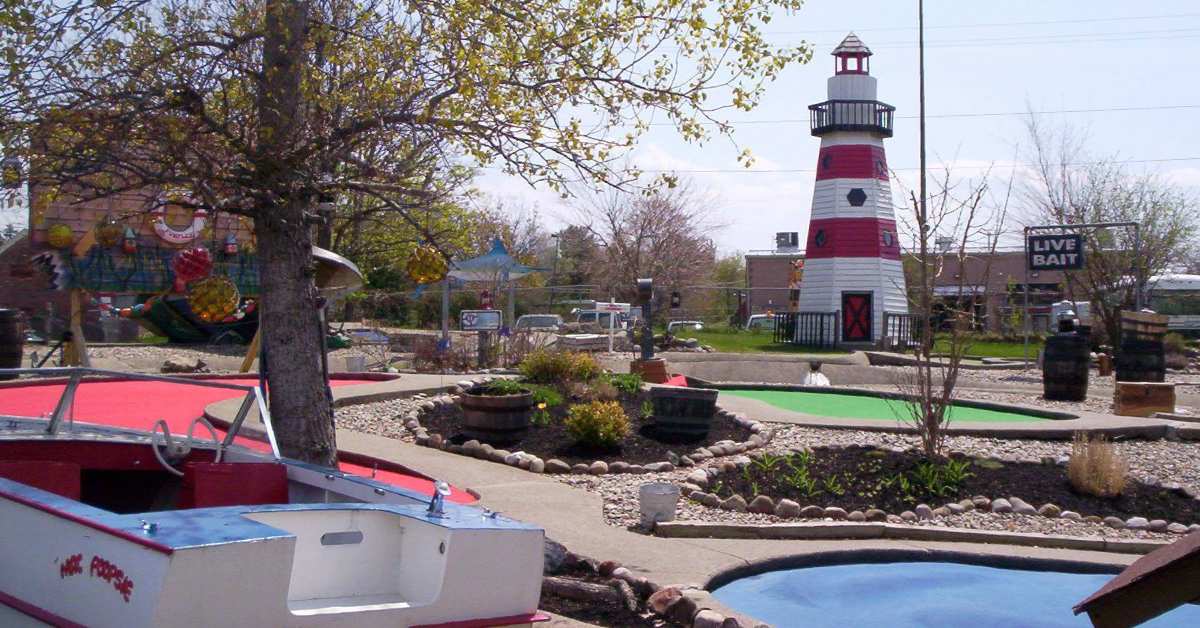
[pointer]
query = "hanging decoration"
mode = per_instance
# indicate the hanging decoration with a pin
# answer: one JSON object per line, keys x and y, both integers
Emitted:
{"x": 108, "y": 231}
{"x": 60, "y": 236}
{"x": 171, "y": 234}
{"x": 192, "y": 264}
{"x": 426, "y": 265}
{"x": 129, "y": 243}
{"x": 231, "y": 244}
{"x": 213, "y": 299}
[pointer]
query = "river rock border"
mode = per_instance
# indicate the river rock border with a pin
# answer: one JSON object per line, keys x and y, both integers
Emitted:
{"x": 695, "y": 484}
{"x": 760, "y": 435}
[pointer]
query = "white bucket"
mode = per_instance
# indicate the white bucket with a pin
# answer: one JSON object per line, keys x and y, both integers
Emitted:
{"x": 657, "y": 501}
{"x": 356, "y": 363}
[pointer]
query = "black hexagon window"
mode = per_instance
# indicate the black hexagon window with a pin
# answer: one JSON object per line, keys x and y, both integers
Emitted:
{"x": 827, "y": 162}
{"x": 857, "y": 197}
{"x": 819, "y": 239}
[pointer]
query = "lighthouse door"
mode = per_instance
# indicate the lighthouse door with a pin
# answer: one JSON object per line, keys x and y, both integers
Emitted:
{"x": 856, "y": 317}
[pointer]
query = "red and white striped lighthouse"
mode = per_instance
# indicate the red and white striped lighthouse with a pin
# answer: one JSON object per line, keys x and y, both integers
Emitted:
{"x": 852, "y": 260}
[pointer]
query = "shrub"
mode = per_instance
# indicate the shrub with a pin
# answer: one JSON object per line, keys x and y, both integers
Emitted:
{"x": 1175, "y": 343}
{"x": 546, "y": 395}
{"x": 598, "y": 424}
{"x": 554, "y": 367}
{"x": 500, "y": 387}
{"x": 628, "y": 383}
{"x": 1095, "y": 467}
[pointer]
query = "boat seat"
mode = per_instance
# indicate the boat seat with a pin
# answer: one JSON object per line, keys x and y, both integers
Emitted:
{"x": 210, "y": 484}
{"x": 60, "y": 478}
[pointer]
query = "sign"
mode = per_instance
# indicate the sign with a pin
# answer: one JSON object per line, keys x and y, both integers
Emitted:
{"x": 620, "y": 308}
{"x": 1055, "y": 252}
{"x": 479, "y": 320}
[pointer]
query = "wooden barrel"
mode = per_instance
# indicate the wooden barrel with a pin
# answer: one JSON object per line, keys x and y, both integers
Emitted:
{"x": 682, "y": 414}
{"x": 1144, "y": 326}
{"x": 1065, "y": 367}
{"x": 653, "y": 371}
{"x": 12, "y": 341}
{"x": 1141, "y": 361}
{"x": 495, "y": 419}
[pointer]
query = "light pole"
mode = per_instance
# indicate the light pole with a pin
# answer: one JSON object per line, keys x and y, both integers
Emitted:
{"x": 554, "y": 271}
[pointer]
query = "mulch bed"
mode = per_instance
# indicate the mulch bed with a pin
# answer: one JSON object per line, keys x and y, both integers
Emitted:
{"x": 553, "y": 441}
{"x": 859, "y": 472}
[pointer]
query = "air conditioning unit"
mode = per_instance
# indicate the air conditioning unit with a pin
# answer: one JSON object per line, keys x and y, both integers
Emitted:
{"x": 787, "y": 241}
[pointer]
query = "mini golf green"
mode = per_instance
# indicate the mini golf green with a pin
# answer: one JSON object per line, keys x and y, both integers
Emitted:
{"x": 846, "y": 406}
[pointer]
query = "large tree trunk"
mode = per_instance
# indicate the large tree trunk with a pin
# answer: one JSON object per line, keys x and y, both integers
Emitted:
{"x": 288, "y": 318}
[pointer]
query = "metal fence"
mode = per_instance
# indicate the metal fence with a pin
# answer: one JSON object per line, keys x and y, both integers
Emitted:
{"x": 817, "y": 330}
{"x": 899, "y": 331}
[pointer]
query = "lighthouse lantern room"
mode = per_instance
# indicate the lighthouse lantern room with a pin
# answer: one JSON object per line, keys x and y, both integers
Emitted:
{"x": 852, "y": 259}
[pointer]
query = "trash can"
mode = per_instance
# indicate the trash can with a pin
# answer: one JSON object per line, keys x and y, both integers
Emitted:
{"x": 657, "y": 502}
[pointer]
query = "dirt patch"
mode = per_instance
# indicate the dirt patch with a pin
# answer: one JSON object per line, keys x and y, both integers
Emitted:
{"x": 856, "y": 478}
{"x": 551, "y": 440}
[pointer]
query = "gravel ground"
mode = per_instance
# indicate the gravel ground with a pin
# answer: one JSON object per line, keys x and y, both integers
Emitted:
{"x": 382, "y": 418}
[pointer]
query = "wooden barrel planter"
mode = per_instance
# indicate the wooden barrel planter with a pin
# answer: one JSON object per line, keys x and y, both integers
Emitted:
{"x": 1065, "y": 367}
{"x": 12, "y": 341}
{"x": 682, "y": 414}
{"x": 495, "y": 419}
{"x": 1140, "y": 357}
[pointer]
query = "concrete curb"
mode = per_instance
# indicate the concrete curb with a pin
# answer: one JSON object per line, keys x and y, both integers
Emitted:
{"x": 881, "y": 358}
{"x": 840, "y": 530}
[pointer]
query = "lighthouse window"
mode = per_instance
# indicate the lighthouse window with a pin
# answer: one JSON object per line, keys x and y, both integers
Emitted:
{"x": 819, "y": 239}
{"x": 857, "y": 197}
{"x": 888, "y": 239}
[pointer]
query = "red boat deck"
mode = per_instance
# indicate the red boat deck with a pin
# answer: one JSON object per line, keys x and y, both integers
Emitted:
{"x": 138, "y": 404}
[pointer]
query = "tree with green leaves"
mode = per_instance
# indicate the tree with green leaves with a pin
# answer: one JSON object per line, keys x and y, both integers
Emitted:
{"x": 263, "y": 107}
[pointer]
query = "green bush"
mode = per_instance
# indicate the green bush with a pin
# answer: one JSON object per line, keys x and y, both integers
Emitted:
{"x": 628, "y": 383}
{"x": 599, "y": 424}
{"x": 546, "y": 395}
{"x": 1174, "y": 343}
{"x": 499, "y": 387}
{"x": 556, "y": 367}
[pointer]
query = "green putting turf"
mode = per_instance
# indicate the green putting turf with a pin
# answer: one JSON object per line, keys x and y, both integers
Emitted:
{"x": 843, "y": 406}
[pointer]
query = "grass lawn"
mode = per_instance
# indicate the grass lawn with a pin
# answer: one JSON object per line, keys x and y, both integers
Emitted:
{"x": 993, "y": 348}
{"x": 735, "y": 341}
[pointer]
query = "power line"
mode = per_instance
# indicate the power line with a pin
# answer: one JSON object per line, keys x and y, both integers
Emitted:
{"x": 994, "y": 24}
{"x": 989, "y": 114}
{"x": 987, "y": 167}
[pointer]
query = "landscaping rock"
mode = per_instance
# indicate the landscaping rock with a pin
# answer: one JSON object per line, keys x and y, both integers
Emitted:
{"x": 580, "y": 468}
{"x": 555, "y": 554}
{"x": 554, "y": 465}
{"x": 636, "y": 469}
{"x": 923, "y": 511}
{"x": 857, "y": 516}
{"x": 1093, "y": 519}
{"x": 663, "y": 599}
{"x": 1194, "y": 527}
{"x": 1070, "y": 515}
{"x": 660, "y": 467}
{"x": 812, "y": 512}
{"x": 954, "y": 508}
{"x": 711, "y": 500}
{"x": 620, "y": 466}
{"x": 686, "y": 461}
{"x": 1050, "y": 510}
{"x": 1158, "y": 525}
{"x": 981, "y": 502}
{"x": 537, "y": 465}
{"x": 1001, "y": 505}
{"x": 698, "y": 477}
{"x": 470, "y": 447}
{"x": 484, "y": 452}
{"x": 1177, "y": 528}
{"x": 736, "y": 503}
{"x": 762, "y": 505}
{"x": 967, "y": 505}
{"x": 835, "y": 513}
{"x": 1021, "y": 507}
{"x": 502, "y": 455}
{"x": 708, "y": 618}
{"x": 787, "y": 508}
{"x": 606, "y": 568}
{"x": 908, "y": 516}
{"x": 683, "y": 611}
{"x": 687, "y": 488}
{"x": 875, "y": 514}
{"x": 1114, "y": 522}
{"x": 1136, "y": 523}
{"x": 942, "y": 511}
{"x": 598, "y": 467}
{"x": 436, "y": 441}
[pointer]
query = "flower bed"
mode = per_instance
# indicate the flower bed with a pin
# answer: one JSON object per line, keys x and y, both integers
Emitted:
{"x": 866, "y": 483}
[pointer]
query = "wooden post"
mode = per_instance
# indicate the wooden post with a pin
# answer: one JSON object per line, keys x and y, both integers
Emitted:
{"x": 252, "y": 351}
{"x": 75, "y": 353}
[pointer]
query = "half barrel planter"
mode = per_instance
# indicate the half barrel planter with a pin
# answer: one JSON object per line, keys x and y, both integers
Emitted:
{"x": 495, "y": 419}
{"x": 683, "y": 414}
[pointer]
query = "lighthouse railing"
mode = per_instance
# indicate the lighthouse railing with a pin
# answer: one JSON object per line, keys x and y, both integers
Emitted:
{"x": 814, "y": 330}
{"x": 851, "y": 115}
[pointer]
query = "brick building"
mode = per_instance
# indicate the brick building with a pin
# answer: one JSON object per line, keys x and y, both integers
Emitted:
{"x": 767, "y": 276}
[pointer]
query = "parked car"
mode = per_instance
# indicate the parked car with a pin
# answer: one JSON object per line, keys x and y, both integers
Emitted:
{"x": 680, "y": 326}
{"x": 539, "y": 322}
{"x": 592, "y": 318}
{"x": 761, "y": 322}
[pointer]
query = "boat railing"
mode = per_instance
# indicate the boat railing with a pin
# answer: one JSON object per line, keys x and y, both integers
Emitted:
{"x": 75, "y": 376}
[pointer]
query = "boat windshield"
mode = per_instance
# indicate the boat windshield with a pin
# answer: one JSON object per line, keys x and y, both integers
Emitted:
{"x": 64, "y": 400}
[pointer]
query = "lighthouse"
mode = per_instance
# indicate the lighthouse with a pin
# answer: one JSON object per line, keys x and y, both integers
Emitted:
{"x": 852, "y": 262}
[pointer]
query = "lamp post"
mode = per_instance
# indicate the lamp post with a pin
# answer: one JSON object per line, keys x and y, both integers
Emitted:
{"x": 554, "y": 271}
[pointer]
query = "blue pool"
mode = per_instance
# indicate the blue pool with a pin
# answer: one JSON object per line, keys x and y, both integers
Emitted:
{"x": 921, "y": 594}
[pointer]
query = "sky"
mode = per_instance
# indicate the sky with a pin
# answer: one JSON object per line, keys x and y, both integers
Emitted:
{"x": 985, "y": 61}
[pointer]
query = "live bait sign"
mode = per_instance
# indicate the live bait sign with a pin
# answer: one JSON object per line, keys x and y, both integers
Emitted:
{"x": 1055, "y": 252}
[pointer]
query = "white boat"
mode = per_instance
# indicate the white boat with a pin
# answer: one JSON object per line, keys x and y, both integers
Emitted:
{"x": 112, "y": 526}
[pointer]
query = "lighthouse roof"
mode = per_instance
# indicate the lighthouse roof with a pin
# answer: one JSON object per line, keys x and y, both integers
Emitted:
{"x": 852, "y": 45}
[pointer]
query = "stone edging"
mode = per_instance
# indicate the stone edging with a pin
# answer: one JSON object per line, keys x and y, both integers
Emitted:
{"x": 697, "y": 481}
{"x": 760, "y": 435}
{"x": 896, "y": 531}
